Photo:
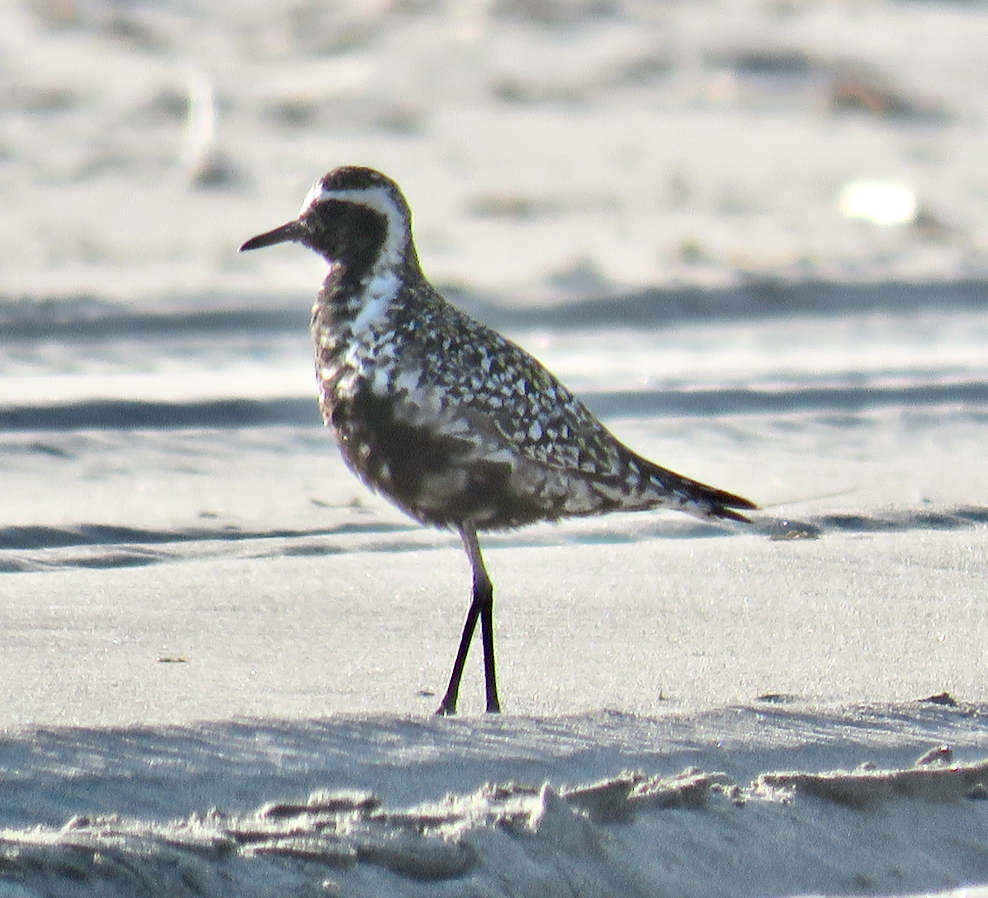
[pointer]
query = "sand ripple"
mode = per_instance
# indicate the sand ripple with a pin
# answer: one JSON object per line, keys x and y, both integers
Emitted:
{"x": 611, "y": 836}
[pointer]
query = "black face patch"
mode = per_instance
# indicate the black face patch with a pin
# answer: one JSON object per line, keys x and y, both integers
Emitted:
{"x": 348, "y": 234}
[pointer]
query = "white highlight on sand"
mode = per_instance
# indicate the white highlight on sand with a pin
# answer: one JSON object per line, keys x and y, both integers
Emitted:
{"x": 880, "y": 202}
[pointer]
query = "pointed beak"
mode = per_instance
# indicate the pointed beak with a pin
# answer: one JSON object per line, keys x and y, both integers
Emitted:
{"x": 285, "y": 234}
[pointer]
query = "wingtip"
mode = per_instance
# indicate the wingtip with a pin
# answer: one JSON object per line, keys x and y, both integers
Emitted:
{"x": 728, "y": 514}
{"x": 724, "y": 505}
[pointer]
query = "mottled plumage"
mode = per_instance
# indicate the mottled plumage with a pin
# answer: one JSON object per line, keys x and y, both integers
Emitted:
{"x": 455, "y": 424}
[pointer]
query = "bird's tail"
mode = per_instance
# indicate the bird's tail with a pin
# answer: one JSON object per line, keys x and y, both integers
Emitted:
{"x": 697, "y": 498}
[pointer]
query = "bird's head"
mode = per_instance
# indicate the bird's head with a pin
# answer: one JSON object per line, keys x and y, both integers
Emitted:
{"x": 353, "y": 216}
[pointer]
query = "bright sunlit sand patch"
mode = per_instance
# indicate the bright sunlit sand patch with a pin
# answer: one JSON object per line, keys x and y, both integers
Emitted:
{"x": 880, "y": 202}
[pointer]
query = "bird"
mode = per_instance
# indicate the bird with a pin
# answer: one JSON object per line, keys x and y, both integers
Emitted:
{"x": 455, "y": 424}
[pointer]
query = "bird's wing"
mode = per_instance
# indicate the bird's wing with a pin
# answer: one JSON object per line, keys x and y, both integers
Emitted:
{"x": 511, "y": 407}
{"x": 547, "y": 425}
{"x": 512, "y": 397}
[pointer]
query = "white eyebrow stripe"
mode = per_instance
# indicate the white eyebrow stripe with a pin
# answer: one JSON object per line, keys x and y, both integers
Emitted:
{"x": 316, "y": 192}
{"x": 380, "y": 200}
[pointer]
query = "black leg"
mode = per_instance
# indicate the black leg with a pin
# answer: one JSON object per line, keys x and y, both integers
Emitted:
{"x": 482, "y": 606}
{"x": 448, "y": 705}
{"x": 487, "y": 634}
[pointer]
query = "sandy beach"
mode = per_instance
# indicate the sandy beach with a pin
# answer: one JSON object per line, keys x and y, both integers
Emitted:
{"x": 751, "y": 236}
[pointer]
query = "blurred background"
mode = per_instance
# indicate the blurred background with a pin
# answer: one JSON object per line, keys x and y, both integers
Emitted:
{"x": 549, "y": 148}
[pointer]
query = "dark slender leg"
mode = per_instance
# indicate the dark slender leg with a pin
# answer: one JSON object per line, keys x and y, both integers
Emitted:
{"x": 448, "y": 705}
{"x": 482, "y": 606}
{"x": 487, "y": 635}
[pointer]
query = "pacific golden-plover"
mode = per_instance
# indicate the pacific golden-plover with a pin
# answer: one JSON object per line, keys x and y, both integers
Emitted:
{"x": 456, "y": 425}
